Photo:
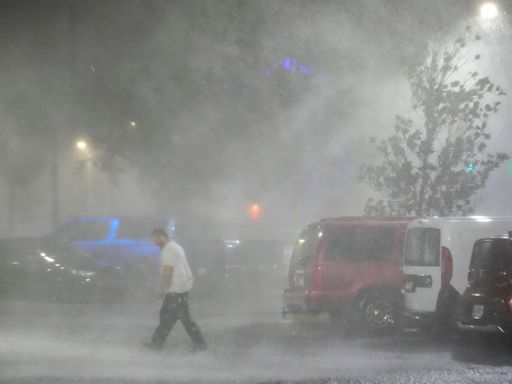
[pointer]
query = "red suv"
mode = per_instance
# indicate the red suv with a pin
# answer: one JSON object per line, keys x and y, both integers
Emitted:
{"x": 487, "y": 300}
{"x": 349, "y": 267}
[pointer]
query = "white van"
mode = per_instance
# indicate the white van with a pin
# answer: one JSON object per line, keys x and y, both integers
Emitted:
{"x": 436, "y": 261}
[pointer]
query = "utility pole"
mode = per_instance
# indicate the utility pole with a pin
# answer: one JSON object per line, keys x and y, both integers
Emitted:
{"x": 54, "y": 179}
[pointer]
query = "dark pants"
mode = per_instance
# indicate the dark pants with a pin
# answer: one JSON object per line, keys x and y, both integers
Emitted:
{"x": 174, "y": 307}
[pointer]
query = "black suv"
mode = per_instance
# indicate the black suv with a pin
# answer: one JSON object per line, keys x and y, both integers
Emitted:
{"x": 487, "y": 300}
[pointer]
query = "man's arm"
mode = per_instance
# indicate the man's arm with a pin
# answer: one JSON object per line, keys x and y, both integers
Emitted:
{"x": 165, "y": 281}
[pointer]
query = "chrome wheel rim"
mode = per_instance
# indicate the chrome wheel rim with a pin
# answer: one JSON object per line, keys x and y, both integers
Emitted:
{"x": 379, "y": 314}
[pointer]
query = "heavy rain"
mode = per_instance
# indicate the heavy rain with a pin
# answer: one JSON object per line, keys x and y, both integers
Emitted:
{"x": 329, "y": 181}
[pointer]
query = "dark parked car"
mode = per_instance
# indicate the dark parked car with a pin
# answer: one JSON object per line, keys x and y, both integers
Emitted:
{"x": 349, "y": 267}
{"x": 254, "y": 262}
{"x": 207, "y": 258}
{"x": 487, "y": 300}
{"x": 52, "y": 269}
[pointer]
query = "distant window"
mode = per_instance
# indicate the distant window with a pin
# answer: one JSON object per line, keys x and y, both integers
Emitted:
{"x": 359, "y": 244}
{"x": 85, "y": 231}
{"x": 422, "y": 247}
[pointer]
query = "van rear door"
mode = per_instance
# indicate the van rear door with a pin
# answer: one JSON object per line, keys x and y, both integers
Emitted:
{"x": 302, "y": 268}
{"x": 422, "y": 268}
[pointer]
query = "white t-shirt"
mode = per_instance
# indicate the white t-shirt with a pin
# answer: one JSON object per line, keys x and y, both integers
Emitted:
{"x": 174, "y": 255}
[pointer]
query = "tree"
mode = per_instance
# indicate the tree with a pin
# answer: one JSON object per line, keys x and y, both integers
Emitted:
{"x": 435, "y": 166}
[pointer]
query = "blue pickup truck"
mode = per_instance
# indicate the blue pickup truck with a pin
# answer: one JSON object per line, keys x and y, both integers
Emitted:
{"x": 119, "y": 242}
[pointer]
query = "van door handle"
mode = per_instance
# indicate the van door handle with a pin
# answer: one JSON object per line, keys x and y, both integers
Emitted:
{"x": 418, "y": 281}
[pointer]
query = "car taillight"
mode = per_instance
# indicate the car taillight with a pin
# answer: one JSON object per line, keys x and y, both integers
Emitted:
{"x": 471, "y": 276}
{"x": 446, "y": 265}
{"x": 317, "y": 276}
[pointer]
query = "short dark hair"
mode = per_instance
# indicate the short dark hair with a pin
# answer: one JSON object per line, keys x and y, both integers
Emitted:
{"x": 159, "y": 232}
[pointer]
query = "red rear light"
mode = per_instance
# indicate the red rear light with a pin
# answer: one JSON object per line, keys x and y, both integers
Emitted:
{"x": 446, "y": 265}
{"x": 317, "y": 276}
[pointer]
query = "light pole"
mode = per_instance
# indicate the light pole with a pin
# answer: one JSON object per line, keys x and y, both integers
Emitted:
{"x": 83, "y": 147}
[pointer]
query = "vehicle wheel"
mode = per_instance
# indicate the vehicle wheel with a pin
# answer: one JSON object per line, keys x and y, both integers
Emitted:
{"x": 378, "y": 314}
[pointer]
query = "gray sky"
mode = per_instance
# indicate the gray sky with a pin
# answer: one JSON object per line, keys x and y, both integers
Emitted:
{"x": 269, "y": 101}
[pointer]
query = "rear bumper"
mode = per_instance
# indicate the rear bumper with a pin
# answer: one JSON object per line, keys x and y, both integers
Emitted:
{"x": 488, "y": 328}
{"x": 304, "y": 302}
{"x": 489, "y": 324}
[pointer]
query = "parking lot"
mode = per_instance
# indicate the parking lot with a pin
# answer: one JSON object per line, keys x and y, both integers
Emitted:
{"x": 248, "y": 342}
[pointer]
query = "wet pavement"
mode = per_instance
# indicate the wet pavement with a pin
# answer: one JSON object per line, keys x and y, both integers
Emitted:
{"x": 248, "y": 343}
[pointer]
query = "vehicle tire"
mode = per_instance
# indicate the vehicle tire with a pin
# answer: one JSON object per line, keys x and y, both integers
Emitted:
{"x": 378, "y": 313}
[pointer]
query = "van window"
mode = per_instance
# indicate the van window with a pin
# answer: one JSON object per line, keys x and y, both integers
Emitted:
{"x": 491, "y": 255}
{"x": 422, "y": 246}
{"x": 305, "y": 249}
{"x": 359, "y": 243}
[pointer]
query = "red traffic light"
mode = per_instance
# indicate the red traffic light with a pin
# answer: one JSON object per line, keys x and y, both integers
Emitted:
{"x": 255, "y": 211}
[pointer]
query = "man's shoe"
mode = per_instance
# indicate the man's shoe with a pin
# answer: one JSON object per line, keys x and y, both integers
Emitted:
{"x": 199, "y": 347}
{"x": 153, "y": 346}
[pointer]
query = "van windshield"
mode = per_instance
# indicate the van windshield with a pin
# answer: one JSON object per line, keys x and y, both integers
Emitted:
{"x": 491, "y": 255}
{"x": 422, "y": 246}
{"x": 305, "y": 248}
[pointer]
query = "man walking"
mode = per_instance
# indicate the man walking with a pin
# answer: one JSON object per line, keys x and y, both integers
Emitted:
{"x": 175, "y": 283}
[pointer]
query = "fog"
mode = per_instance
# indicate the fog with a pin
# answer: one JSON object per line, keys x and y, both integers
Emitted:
{"x": 246, "y": 343}
{"x": 196, "y": 109}
{"x": 305, "y": 86}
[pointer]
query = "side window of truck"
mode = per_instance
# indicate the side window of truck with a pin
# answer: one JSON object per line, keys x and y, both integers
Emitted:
{"x": 360, "y": 244}
{"x": 137, "y": 228}
{"x": 338, "y": 245}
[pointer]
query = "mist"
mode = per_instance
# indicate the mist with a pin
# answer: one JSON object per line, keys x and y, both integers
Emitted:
{"x": 195, "y": 110}
{"x": 305, "y": 86}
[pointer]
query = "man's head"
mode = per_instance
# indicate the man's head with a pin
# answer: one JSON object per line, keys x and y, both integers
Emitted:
{"x": 160, "y": 237}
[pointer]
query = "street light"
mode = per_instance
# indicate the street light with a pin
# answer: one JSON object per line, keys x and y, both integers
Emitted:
{"x": 488, "y": 11}
{"x": 81, "y": 145}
